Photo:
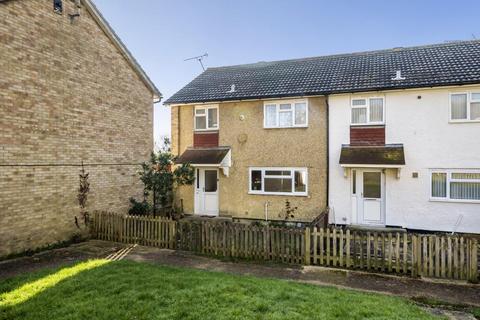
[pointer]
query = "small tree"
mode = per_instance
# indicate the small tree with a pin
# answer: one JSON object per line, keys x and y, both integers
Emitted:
{"x": 82, "y": 197}
{"x": 161, "y": 180}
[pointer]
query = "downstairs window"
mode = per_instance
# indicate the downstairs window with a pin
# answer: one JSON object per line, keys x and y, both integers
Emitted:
{"x": 278, "y": 181}
{"x": 456, "y": 185}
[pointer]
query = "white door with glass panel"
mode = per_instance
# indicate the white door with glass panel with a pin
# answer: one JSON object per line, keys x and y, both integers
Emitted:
{"x": 206, "y": 191}
{"x": 371, "y": 197}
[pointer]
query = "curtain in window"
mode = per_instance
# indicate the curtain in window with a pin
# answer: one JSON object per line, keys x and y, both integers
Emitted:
{"x": 475, "y": 111}
{"x": 459, "y": 106}
{"x": 300, "y": 113}
{"x": 439, "y": 185}
{"x": 465, "y": 190}
{"x": 285, "y": 118}
{"x": 212, "y": 118}
{"x": 271, "y": 115}
{"x": 376, "y": 110}
{"x": 359, "y": 115}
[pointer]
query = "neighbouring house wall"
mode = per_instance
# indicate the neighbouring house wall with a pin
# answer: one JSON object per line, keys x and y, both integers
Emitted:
{"x": 67, "y": 95}
{"x": 287, "y": 147}
{"x": 430, "y": 141}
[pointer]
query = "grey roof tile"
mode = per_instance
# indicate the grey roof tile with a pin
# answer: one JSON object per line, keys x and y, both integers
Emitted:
{"x": 423, "y": 66}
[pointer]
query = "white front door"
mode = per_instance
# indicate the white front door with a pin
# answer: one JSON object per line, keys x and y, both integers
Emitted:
{"x": 206, "y": 191}
{"x": 371, "y": 197}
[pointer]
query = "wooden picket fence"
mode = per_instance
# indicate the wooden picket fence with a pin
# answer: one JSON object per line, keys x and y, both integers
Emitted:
{"x": 414, "y": 254}
{"x": 149, "y": 231}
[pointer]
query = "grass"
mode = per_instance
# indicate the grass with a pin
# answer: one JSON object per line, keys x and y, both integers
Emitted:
{"x": 100, "y": 289}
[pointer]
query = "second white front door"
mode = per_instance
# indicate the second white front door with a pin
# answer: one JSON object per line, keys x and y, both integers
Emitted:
{"x": 371, "y": 196}
{"x": 206, "y": 191}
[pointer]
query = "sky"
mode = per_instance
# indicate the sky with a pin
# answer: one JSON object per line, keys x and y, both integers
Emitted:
{"x": 161, "y": 34}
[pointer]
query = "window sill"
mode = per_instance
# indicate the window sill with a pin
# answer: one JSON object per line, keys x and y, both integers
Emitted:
{"x": 278, "y": 194}
{"x": 455, "y": 201}
{"x": 372, "y": 124}
{"x": 205, "y": 130}
{"x": 292, "y": 127}
{"x": 463, "y": 121}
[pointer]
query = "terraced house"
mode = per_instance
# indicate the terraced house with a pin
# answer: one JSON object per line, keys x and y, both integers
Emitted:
{"x": 385, "y": 138}
{"x": 70, "y": 92}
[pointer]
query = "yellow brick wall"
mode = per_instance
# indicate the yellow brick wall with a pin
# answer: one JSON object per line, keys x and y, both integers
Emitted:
{"x": 288, "y": 147}
{"x": 66, "y": 95}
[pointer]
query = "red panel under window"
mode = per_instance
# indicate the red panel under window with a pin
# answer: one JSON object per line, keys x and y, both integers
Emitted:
{"x": 205, "y": 139}
{"x": 367, "y": 136}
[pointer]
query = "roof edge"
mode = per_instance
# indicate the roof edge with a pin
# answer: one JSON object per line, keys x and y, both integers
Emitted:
{"x": 108, "y": 30}
{"x": 322, "y": 93}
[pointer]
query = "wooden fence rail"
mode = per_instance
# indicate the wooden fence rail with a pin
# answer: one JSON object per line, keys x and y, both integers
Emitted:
{"x": 438, "y": 256}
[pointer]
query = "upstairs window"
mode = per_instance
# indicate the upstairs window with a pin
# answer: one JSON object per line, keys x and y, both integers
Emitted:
{"x": 278, "y": 181}
{"x": 367, "y": 111}
{"x": 465, "y": 107}
{"x": 206, "y": 118}
{"x": 455, "y": 185}
{"x": 285, "y": 114}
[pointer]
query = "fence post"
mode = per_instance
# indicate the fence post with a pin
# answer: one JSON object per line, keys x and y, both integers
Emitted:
{"x": 473, "y": 267}
{"x": 307, "y": 246}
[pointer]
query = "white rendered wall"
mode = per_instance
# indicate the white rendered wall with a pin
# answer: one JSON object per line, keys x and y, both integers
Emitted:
{"x": 430, "y": 142}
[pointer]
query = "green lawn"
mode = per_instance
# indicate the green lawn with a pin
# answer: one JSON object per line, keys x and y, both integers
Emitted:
{"x": 100, "y": 289}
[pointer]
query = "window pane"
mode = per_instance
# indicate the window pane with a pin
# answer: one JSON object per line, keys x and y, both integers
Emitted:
{"x": 372, "y": 185}
{"x": 376, "y": 110}
{"x": 278, "y": 185}
{"x": 354, "y": 181}
{"x": 473, "y": 175}
{"x": 300, "y": 113}
{"x": 439, "y": 185}
{"x": 271, "y": 116}
{"x": 287, "y": 106}
{"x": 277, "y": 173}
{"x": 199, "y": 111}
{"x": 475, "y": 96}
{"x": 465, "y": 190}
{"x": 210, "y": 180}
{"x": 300, "y": 181}
{"x": 359, "y": 102}
{"x": 475, "y": 111}
{"x": 285, "y": 119}
{"x": 459, "y": 106}
{"x": 359, "y": 115}
{"x": 212, "y": 118}
{"x": 256, "y": 180}
{"x": 201, "y": 122}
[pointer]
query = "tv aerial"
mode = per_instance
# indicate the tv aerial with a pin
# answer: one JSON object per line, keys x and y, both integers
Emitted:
{"x": 199, "y": 59}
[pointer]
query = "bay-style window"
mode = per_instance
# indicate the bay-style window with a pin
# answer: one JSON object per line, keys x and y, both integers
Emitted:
{"x": 465, "y": 106}
{"x": 366, "y": 111}
{"x": 278, "y": 181}
{"x": 206, "y": 118}
{"x": 285, "y": 114}
{"x": 455, "y": 185}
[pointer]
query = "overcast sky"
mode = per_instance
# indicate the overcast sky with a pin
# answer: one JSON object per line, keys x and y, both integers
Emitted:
{"x": 161, "y": 34}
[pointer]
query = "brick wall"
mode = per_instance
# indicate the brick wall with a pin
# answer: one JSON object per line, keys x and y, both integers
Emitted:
{"x": 67, "y": 95}
{"x": 370, "y": 136}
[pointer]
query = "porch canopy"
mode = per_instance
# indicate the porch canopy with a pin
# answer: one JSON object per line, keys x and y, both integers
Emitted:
{"x": 385, "y": 156}
{"x": 220, "y": 157}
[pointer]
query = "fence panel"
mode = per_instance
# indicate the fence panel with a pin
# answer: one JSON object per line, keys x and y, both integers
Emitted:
{"x": 439, "y": 256}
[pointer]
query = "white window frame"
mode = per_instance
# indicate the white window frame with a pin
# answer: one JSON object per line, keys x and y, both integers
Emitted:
{"x": 292, "y": 175}
{"x": 449, "y": 172}
{"x": 367, "y": 100}
{"x": 470, "y": 100}
{"x": 206, "y": 108}
{"x": 277, "y": 111}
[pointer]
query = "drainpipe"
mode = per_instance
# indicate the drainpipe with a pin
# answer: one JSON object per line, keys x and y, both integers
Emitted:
{"x": 328, "y": 151}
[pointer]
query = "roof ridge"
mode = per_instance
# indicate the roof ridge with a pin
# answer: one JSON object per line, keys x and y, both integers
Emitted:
{"x": 357, "y": 53}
